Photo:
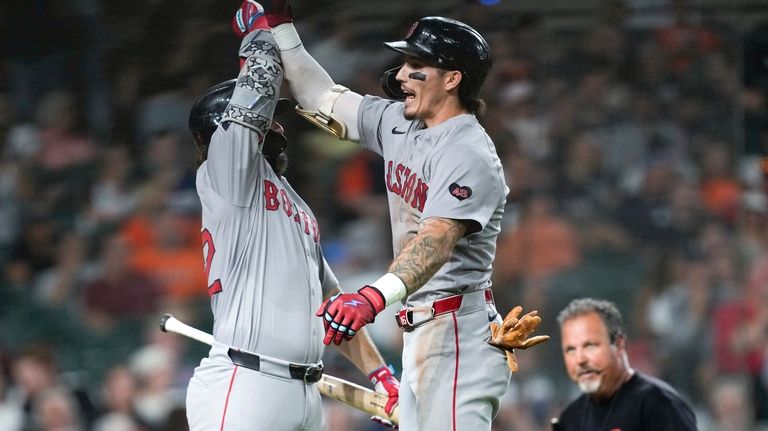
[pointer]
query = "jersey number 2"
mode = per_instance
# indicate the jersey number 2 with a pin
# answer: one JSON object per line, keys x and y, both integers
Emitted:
{"x": 208, "y": 251}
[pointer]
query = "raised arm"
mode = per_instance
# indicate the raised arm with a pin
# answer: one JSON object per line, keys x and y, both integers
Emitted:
{"x": 330, "y": 106}
{"x": 251, "y": 99}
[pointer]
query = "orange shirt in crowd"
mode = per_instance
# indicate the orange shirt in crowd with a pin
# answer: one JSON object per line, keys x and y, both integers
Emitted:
{"x": 537, "y": 247}
{"x": 177, "y": 268}
{"x": 178, "y": 271}
{"x": 722, "y": 196}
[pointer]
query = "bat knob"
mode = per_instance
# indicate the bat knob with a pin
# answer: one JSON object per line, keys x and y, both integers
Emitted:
{"x": 164, "y": 320}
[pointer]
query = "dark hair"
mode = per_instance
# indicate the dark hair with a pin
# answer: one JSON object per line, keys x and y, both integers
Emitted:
{"x": 475, "y": 105}
{"x": 606, "y": 310}
{"x": 42, "y": 354}
{"x": 468, "y": 97}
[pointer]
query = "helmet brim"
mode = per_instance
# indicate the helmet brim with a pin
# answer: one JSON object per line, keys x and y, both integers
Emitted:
{"x": 413, "y": 50}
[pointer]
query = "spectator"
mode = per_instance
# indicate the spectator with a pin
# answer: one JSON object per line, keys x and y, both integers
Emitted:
{"x": 614, "y": 395}
{"x": 33, "y": 251}
{"x": 118, "y": 403}
{"x": 751, "y": 230}
{"x": 113, "y": 195}
{"x": 117, "y": 422}
{"x": 60, "y": 286}
{"x": 48, "y": 401}
{"x": 542, "y": 243}
{"x": 720, "y": 188}
{"x": 678, "y": 317}
{"x": 165, "y": 247}
{"x": 55, "y": 409}
{"x": 751, "y": 339}
{"x": 683, "y": 42}
{"x": 156, "y": 396}
{"x": 62, "y": 146}
{"x": 118, "y": 291}
{"x": 169, "y": 169}
{"x": 11, "y": 413}
{"x": 731, "y": 405}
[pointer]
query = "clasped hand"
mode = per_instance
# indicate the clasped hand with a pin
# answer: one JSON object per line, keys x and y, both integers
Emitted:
{"x": 345, "y": 313}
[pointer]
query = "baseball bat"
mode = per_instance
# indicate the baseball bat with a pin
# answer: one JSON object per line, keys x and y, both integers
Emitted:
{"x": 332, "y": 387}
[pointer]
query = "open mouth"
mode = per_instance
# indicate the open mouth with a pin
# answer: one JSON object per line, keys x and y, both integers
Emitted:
{"x": 409, "y": 95}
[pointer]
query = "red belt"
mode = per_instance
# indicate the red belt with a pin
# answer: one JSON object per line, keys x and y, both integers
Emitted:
{"x": 439, "y": 306}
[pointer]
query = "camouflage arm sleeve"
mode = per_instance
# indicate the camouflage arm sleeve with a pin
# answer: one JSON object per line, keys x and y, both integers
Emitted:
{"x": 258, "y": 84}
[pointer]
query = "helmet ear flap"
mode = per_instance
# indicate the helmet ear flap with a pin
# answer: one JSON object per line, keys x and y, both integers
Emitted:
{"x": 390, "y": 85}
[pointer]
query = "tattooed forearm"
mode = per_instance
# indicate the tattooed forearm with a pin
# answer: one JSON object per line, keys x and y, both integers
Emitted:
{"x": 427, "y": 251}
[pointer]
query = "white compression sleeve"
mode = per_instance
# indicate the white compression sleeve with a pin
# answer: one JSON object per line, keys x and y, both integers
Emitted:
{"x": 310, "y": 83}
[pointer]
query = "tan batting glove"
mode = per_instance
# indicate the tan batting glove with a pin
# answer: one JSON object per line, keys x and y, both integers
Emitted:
{"x": 513, "y": 334}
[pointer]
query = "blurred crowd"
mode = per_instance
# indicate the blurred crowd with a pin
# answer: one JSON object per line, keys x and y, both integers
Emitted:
{"x": 632, "y": 141}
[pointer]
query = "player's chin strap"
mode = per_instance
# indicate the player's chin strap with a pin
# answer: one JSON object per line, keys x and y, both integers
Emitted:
{"x": 323, "y": 117}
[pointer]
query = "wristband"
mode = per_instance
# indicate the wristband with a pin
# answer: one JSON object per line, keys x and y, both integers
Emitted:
{"x": 392, "y": 287}
{"x": 286, "y": 36}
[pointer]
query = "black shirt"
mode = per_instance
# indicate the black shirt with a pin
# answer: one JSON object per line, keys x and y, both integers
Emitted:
{"x": 643, "y": 403}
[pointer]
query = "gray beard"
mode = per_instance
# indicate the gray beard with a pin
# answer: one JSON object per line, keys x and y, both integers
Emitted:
{"x": 591, "y": 386}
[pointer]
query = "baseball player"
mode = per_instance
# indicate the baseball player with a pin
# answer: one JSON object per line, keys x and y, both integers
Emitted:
{"x": 263, "y": 261}
{"x": 446, "y": 195}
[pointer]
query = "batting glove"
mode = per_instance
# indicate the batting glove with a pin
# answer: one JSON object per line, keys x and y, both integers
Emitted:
{"x": 384, "y": 422}
{"x": 345, "y": 313}
{"x": 385, "y": 383}
{"x": 249, "y": 17}
{"x": 278, "y": 12}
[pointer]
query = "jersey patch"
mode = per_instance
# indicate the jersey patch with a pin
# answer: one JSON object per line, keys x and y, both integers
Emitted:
{"x": 460, "y": 192}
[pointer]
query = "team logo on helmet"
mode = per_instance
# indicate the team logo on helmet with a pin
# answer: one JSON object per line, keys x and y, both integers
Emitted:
{"x": 410, "y": 30}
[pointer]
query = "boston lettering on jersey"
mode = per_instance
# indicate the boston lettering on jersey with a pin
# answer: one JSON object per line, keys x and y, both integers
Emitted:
{"x": 402, "y": 182}
{"x": 274, "y": 196}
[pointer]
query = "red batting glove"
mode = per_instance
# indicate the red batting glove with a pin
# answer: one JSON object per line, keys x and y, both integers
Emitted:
{"x": 386, "y": 383}
{"x": 248, "y": 17}
{"x": 278, "y": 12}
{"x": 384, "y": 422}
{"x": 345, "y": 313}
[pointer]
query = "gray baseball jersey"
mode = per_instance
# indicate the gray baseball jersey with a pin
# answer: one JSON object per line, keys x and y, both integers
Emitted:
{"x": 450, "y": 171}
{"x": 262, "y": 253}
{"x": 265, "y": 270}
{"x": 452, "y": 379}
